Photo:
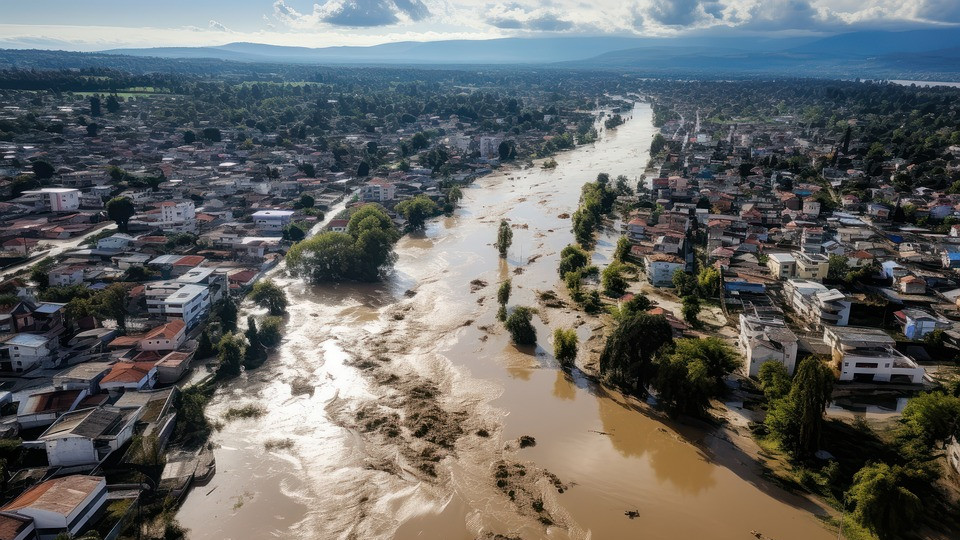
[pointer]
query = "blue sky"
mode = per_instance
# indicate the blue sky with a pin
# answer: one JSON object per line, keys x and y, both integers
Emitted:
{"x": 104, "y": 24}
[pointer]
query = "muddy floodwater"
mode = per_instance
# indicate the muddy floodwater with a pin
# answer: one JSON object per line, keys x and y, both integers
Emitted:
{"x": 393, "y": 410}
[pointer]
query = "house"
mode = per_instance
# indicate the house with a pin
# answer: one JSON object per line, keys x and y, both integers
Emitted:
{"x": 272, "y": 221}
{"x": 20, "y": 247}
{"x": 867, "y": 355}
{"x": 766, "y": 338}
{"x": 178, "y": 216}
{"x": 172, "y": 366}
{"x": 65, "y": 275}
{"x": 918, "y": 323}
{"x": 378, "y": 190}
{"x": 130, "y": 376}
{"x": 23, "y": 352}
{"x": 166, "y": 337}
{"x": 912, "y": 285}
{"x": 57, "y": 199}
{"x": 88, "y": 436}
{"x": 189, "y": 302}
{"x": 115, "y": 242}
{"x": 661, "y": 267}
{"x": 85, "y": 376}
{"x": 782, "y": 265}
{"x": 338, "y": 225}
{"x": 42, "y": 408}
{"x": 67, "y": 504}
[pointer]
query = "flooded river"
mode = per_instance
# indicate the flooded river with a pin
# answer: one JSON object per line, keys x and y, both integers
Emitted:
{"x": 392, "y": 410}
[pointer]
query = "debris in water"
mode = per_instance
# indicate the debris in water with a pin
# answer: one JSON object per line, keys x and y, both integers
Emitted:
{"x": 409, "y": 293}
{"x": 632, "y": 514}
{"x": 564, "y": 216}
{"x": 477, "y": 284}
{"x": 526, "y": 440}
{"x": 483, "y": 433}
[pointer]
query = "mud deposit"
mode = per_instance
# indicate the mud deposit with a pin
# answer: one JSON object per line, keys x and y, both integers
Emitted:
{"x": 397, "y": 410}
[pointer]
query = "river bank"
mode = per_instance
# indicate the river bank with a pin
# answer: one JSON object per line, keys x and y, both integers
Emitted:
{"x": 403, "y": 401}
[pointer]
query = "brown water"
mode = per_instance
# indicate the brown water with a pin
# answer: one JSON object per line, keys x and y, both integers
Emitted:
{"x": 333, "y": 480}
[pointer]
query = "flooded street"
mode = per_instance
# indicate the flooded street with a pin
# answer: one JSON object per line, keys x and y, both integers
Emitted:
{"x": 392, "y": 407}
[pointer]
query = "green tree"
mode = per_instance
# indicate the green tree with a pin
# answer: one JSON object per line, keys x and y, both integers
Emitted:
{"x": 293, "y": 232}
{"x": 454, "y": 195}
{"x": 112, "y": 303}
{"x": 113, "y": 104}
{"x": 42, "y": 169}
{"x": 640, "y": 303}
{"x": 930, "y": 418}
{"x": 684, "y": 283}
{"x": 521, "y": 329}
{"x": 93, "y": 129}
{"x": 363, "y": 169}
{"x": 267, "y": 294}
{"x": 774, "y": 380}
{"x": 838, "y": 268}
{"x": 189, "y": 137}
{"x": 612, "y": 280}
{"x": 682, "y": 384}
{"x": 95, "y": 107}
{"x": 419, "y": 141}
{"x": 507, "y": 150}
{"x": 691, "y": 310}
{"x": 417, "y": 210}
{"x": 226, "y": 312}
{"x": 120, "y": 210}
{"x": 306, "y": 201}
{"x": 708, "y": 282}
{"x": 230, "y": 353}
{"x": 254, "y": 353}
{"x": 503, "y": 293}
{"x": 658, "y": 144}
{"x": 572, "y": 258}
{"x": 622, "y": 250}
{"x": 797, "y": 419}
{"x": 504, "y": 238}
{"x": 882, "y": 501}
{"x": 270, "y": 331}
{"x": 211, "y": 134}
{"x": 204, "y": 345}
{"x": 565, "y": 346}
{"x": 626, "y": 357}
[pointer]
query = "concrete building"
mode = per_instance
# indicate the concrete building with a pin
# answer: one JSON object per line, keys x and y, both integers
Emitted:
{"x": 178, "y": 216}
{"x": 782, "y": 265}
{"x": 67, "y": 504}
{"x": 65, "y": 275}
{"x": 661, "y": 267}
{"x": 812, "y": 266}
{"x": 817, "y": 304}
{"x": 917, "y": 323}
{"x": 166, "y": 337}
{"x": 811, "y": 240}
{"x": 272, "y": 221}
{"x": 764, "y": 337}
{"x": 490, "y": 147}
{"x": 23, "y": 352}
{"x": 130, "y": 376}
{"x": 58, "y": 199}
{"x": 867, "y": 355}
{"x": 378, "y": 190}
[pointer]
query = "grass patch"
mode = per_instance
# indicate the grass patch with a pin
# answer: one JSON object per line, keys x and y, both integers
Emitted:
{"x": 247, "y": 411}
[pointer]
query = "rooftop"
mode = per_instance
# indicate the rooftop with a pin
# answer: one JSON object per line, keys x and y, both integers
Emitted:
{"x": 60, "y": 495}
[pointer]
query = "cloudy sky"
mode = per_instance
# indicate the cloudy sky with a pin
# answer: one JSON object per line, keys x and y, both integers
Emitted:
{"x": 103, "y": 24}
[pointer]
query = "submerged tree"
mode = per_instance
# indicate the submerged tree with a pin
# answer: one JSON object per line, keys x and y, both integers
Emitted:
{"x": 520, "y": 326}
{"x": 268, "y": 294}
{"x": 883, "y": 502}
{"x": 565, "y": 346}
{"x": 628, "y": 352}
{"x": 504, "y": 238}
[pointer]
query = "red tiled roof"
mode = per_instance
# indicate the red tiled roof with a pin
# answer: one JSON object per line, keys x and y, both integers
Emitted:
{"x": 189, "y": 260}
{"x": 166, "y": 331}
{"x": 128, "y": 372}
{"x": 60, "y": 495}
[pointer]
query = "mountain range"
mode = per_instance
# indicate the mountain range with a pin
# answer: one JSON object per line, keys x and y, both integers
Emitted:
{"x": 914, "y": 54}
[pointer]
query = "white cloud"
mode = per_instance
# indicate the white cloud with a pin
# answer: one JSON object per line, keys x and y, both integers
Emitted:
{"x": 216, "y": 26}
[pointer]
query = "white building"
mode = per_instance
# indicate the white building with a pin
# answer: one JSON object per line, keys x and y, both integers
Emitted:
{"x": 378, "y": 190}
{"x": 867, "y": 355}
{"x": 189, "y": 302}
{"x": 115, "y": 242}
{"x": 272, "y": 221}
{"x": 661, "y": 267}
{"x": 88, "y": 436}
{"x": 68, "y": 504}
{"x": 766, "y": 338}
{"x": 65, "y": 275}
{"x": 58, "y": 199}
{"x": 23, "y": 352}
{"x": 178, "y": 216}
{"x": 817, "y": 304}
{"x": 811, "y": 266}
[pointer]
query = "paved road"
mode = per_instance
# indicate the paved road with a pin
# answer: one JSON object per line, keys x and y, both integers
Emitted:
{"x": 56, "y": 247}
